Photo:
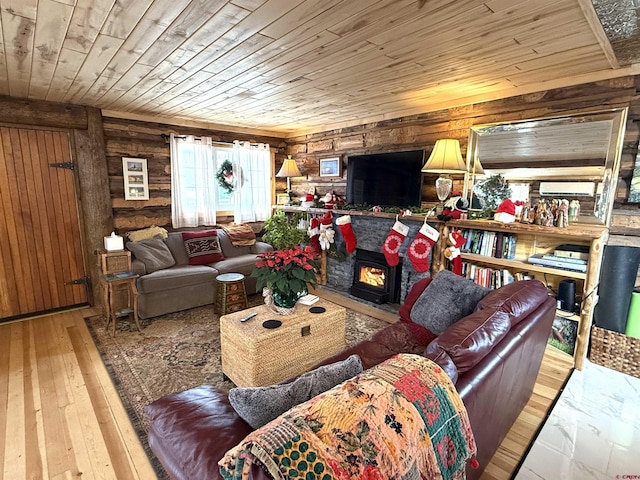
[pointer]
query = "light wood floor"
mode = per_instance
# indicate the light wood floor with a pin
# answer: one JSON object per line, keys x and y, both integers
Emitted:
{"x": 61, "y": 418}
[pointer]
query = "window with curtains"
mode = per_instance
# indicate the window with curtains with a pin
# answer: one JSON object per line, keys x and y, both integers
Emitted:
{"x": 196, "y": 197}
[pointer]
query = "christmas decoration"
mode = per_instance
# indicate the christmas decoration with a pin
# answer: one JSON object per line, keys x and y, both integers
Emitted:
{"x": 314, "y": 234}
{"x": 326, "y": 236}
{"x": 344, "y": 224}
{"x": 506, "y": 212}
{"x": 392, "y": 244}
{"x": 452, "y": 252}
{"x": 421, "y": 247}
{"x": 225, "y": 176}
{"x": 492, "y": 191}
{"x": 453, "y": 207}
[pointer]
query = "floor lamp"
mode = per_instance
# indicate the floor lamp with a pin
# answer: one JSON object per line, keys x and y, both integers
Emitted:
{"x": 445, "y": 159}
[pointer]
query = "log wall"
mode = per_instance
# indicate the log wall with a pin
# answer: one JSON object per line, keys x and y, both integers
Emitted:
{"x": 132, "y": 138}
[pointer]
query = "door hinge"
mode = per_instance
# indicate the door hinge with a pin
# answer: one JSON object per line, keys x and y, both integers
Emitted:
{"x": 67, "y": 165}
{"x": 78, "y": 281}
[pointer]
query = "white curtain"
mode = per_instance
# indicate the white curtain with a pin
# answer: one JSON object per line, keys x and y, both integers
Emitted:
{"x": 193, "y": 182}
{"x": 252, "y": 195}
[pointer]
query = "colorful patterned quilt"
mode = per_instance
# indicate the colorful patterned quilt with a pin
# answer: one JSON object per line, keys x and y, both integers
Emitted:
{"x": 402, "y": 419}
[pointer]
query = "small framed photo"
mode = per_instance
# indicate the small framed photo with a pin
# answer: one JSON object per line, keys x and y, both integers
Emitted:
{"x": 331, "y": 167}
{"x": 136, "y": 181}
{"x": 282, "y": 198}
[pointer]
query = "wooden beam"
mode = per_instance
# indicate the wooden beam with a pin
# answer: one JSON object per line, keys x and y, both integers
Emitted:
{"x": 592, "y": 19}
{"x": 95, "y": 197}
{"x": 42, "y": 113}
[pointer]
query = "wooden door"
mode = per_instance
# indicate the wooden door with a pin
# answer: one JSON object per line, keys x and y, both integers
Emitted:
{"x": 40, "y": 244}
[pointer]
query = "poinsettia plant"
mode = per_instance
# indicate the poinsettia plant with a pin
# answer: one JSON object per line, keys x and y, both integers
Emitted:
{"x": 289, "y": 270}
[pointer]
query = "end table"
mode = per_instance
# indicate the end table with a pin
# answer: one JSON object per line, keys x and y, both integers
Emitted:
{"x": 230, "y": 293}
{"x": 115, "y": 288}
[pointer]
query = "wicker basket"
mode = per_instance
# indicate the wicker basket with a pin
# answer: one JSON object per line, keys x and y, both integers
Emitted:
{"x": 615, "y": 350}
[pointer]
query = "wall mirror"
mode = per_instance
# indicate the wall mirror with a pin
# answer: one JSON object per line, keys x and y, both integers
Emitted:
{"x": 552, "y": 154}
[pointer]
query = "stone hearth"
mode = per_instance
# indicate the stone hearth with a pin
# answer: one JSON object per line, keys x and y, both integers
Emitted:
{"x": 371, "y": 232}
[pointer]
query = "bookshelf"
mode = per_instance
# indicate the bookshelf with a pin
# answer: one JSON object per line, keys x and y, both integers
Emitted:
{"x": 531, "y": 239}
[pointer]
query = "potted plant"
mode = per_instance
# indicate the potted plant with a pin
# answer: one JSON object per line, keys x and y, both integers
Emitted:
{"x": 286, "y": 274}
{"x": 280, "y": 233}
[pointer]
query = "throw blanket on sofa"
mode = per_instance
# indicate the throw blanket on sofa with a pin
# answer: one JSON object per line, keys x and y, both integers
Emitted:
{"x": 240, "y": 234}
{"x": 401, "y": 419}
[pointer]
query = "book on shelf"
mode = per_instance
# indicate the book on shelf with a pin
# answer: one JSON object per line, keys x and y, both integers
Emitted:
{"x": 489, "y": 244}
{"x": 569, "y": 254}
{"x": 569, "y": 250}
{"x": 499, "y": 250}
{"x": 490, "y": 277}
{"x": 557, "y": 258}
{"x": 538, "y": 259}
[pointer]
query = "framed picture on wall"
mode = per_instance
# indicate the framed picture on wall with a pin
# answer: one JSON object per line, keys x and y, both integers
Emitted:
{"x": 282, "y": 198}
{"x": 331, "y": 167}
{"x": 136, "y": 182}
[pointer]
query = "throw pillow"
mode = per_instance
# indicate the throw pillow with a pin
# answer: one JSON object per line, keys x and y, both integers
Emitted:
{"x": 240, "y": 234}
{"x": 447, "y": 299}
{"x": 153, "y": 252}
{"x": 202, "y": 247}
{"x": 145, "y": 233}
{"x": 259, "y": 405}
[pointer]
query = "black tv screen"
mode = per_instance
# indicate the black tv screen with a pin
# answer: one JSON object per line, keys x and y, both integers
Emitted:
{"x": 385, "y": 179}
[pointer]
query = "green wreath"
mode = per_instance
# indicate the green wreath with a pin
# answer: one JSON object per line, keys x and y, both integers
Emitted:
{"x": 225, "y": 176}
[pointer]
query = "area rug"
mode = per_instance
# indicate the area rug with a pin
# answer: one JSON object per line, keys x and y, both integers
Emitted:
{"x": 176, "y": 352}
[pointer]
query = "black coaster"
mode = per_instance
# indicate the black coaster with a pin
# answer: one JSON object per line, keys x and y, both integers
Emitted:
{"x": 317, "y": 310}
{"x": 271, "y": 323}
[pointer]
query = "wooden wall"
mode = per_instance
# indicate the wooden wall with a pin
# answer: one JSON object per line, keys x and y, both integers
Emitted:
{"x": 131, "y": 138}
{"x": 421, "y": 131}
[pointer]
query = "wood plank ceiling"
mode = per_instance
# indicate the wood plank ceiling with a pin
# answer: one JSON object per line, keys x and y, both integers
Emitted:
{"x": 295, "y": 66}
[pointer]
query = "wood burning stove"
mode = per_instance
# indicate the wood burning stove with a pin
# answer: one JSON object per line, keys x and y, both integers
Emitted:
{"x": 374, "y": 280}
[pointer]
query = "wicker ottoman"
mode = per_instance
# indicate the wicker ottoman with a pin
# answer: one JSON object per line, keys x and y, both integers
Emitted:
{"x": 255, "y": 356}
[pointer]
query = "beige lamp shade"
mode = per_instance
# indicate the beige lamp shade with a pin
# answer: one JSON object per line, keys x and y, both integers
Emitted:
{"x": 445, "y": 157}
{"x": 289, "y": 168}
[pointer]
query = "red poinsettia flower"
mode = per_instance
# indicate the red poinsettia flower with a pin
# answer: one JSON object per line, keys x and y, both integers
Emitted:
{"x": 288, "y": 270}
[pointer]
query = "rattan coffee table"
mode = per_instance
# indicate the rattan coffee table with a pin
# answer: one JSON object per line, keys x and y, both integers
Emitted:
{"x": 255, "y": 356}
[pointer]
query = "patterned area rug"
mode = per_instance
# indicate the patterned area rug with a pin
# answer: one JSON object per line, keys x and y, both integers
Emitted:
{"x": 175, "y": 352}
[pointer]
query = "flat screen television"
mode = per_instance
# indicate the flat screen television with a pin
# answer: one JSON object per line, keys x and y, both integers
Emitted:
{"x": 385, "y": 179}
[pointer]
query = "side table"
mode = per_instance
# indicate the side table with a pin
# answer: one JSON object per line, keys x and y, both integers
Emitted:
{"x": 120, "y": 297}
{"x": 231, "y": 295}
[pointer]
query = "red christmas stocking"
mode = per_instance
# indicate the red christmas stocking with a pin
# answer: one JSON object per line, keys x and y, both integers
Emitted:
{"x": 421, "y": 247}
{"x": 314, "y": 234}
{"x": 344, "y": 224}
{"x": 326, "y": 219}
{"x": 394, "y": 240}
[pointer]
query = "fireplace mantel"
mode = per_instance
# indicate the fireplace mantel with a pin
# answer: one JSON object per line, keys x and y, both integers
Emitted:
{"x": 371, "y": 230}
{"x": 355, "y": 213}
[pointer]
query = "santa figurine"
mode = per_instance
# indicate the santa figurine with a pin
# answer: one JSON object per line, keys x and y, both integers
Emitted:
{"x": 506, "y": 212}
{"x": 329, "y": 200}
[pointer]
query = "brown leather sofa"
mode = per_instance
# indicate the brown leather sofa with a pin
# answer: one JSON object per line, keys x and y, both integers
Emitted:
{"x": 493, "y": 356}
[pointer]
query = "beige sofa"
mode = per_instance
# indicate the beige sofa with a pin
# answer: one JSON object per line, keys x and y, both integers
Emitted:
{"x": 184, "y": 286}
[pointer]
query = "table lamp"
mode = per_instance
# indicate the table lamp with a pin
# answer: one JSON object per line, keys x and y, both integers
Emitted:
{"x": 289, "y": 169}
{"x": 445, "y": 158}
